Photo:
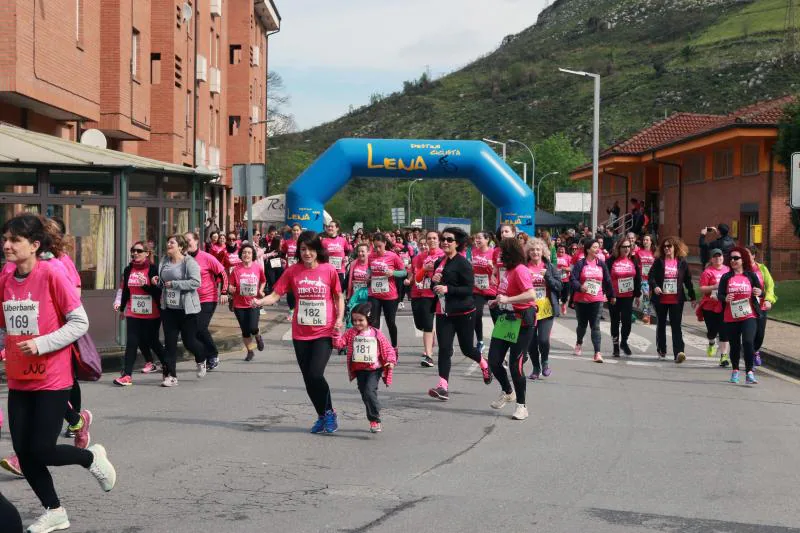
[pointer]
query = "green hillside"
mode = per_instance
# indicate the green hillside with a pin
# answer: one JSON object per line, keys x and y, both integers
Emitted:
{"x": 656, "y": 57}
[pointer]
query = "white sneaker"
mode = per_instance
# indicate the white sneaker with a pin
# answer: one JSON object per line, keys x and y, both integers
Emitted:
{"x": 201, "y": 369}
{"x": 51, "y": 520}
{"x": 504, "y": 398}
{"x": 520, "y": 413}
{"x": 402, "y": 305}
{"x": 170, "y": 381}
{"x": 102, "y": 469}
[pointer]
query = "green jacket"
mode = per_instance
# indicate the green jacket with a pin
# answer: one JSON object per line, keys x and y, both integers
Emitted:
{"x": 769, "y": 284}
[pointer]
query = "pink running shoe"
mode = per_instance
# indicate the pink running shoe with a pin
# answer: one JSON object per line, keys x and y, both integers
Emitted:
{"x": 149, "y": 368}
{"x": 11, "y": 463}
{"x": 123, "y": 381}
{"x": 82, "y": 437}
{"x": 578, "y": 349}
{"x": 598, "y": 358}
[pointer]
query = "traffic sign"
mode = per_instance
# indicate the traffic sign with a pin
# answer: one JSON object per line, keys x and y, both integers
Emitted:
{"x": 794, "y": 201}
{"x": 398, "y": 215}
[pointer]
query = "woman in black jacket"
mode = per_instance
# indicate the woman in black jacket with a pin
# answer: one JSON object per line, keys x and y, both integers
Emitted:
{"x": 668, "y": 276}
{"x": 453, "y": 282}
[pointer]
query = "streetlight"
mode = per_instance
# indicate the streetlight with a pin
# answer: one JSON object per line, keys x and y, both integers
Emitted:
{"x": 492, "y": 141}
{"x": 524, "y": 169}
{"x": 596, "y": 140}
{"x": 409, "y": 198}
{"x": 536, "y": 201}
{"x": 533, "y": 160}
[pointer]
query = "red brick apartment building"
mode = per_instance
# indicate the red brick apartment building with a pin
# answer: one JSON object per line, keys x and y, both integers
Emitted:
{"x": 695, "y": 170}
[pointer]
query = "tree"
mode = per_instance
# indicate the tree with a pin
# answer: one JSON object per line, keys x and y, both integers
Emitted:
{"x": 279, "y": 121}
{"x": 555, "y": 154}
{"x": 787, "y": 144}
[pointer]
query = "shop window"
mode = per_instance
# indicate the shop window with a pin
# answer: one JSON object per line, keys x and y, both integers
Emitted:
{"x": 723, "y": 164}
{"x": 81, "y": 183}
{"x": 142, "y": 185}
{"x": 694, "y": 168}
{"x": 751, "y": 163}
{"x": 670, "y": 175}
{"x": 19, "y": 181}
{"x": 176, "y": 221}
{"x": 177, "y": 187}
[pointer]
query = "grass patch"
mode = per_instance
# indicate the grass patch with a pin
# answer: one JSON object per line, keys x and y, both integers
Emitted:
{"x": 761, "y": 16}
{"x": 788, "y": 306}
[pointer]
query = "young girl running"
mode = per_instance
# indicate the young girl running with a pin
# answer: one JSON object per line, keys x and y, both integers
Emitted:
{"x": 370, "y": 357}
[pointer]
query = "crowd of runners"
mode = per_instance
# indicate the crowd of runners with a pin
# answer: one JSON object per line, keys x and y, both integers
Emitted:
{"x": 339, "y": 288}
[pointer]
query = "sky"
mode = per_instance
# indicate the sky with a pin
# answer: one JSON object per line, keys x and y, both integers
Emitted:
{"x": 336, "y": 53}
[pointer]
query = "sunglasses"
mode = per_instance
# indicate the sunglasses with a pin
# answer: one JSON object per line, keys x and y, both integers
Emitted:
{"x": 736, "y": 258}
{"x": 667, "y": 246}
{"x": 625, "y": 246}
{"x": 449, "y": 239}
{"x": 136, "y": 251}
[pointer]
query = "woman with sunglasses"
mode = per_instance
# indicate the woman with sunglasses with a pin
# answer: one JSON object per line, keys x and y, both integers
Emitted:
{"x": 711, "y": 308}
{"x": 485, "y": 289}
{"x": 667, "y": 278}
{"x": 626, "y": 278}
{"x": 140, "y": 303}
{"x": 739, "y": 291}
{"x": 384, "y": 267}
{"x": 645, "y": 258}
{"x": 591, "y": 286}
{"x": 422, "y": 297}
{"x": 547, "y": 284}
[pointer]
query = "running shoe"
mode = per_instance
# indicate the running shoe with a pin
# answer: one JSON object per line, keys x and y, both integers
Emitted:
{"x": 331, "y": 423}
{"x": 711, "y": 351}
{"x": 662, "y": 355}
{"x": 170, "y": 381}
{"x": 534, "y": 376}
{"x": 201, "y": 369}
{"x": 250, "y": 355}
{"x": 645, "y": 319}
{"x": 11, "y": 464}
{"x": 546, "y": 370}
{"x": 563, "y": 309}
{"x": 402, "y": 305}
{"x": 625, "y": 348}
{"x": 680, "y": 358}
{"x": 319, "y": 425}
{"x": 757, "y": 359}
{"x": 503, "y": 399}
{"x": 615, "y": 351}
{"x": 426, "y": 361}
{"x": 481, "y": 346}
{"x": 487, "y": 375}
{"x": 578, "y": 350}
{"x": 290, "y": 316}
{"x": 520, "y": 413}
{"x": 598, "y": 357}
{"x": 724, "y": 360}
{"x": 750, "y": 378}
{"x": 342, "y": 351}
{"x": 213, "y": 362}
{"x": 51, "y": 520}
{"x": 734, "y": 377}
{"x": 259, "y": 343}
{"x": 262, "y": 311}
{"x": 375, "y": 427}
{"x": 149, "y": 368}
{"x": 440, "y": 393}
{"x": 123, "y": 381}
{"x": 82, "y": 437}
{"x": 101, "y": 468}
{"x": 69, "y": 434}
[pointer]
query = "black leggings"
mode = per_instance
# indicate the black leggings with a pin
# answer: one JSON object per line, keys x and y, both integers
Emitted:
{"x": 539, "y": 346}
{"x": 497, "y": 354}
{"x": 291, "y": 300}
{"x": 448, "y": 327}
{"x": 35, "y": 418}
{"x": 715, "y": 326}
{"x": 675, "y": 312}
{"x": 10, "y": 521}
{"x": 621, "y": 312}
{"x": 423, "y": 311}
{"x": 368, "y": 381}
{"x": 563, "y": 297}
{"x": 248, "y": 320}
{"x": 389, "y": 308}
{"x": 312, "y": 357}
{"x": 480, "y": 303}
{"x": 760, "y": 331}
{"x": 272, "y": 275}
{"x": 141, "y": 331}
{"x": 742, "y": 335}
{"x": 73, "y": 415}
{"x": 207, "y": 310}
{"x": 589, "y": 315}
{"x": 177, "y": 321}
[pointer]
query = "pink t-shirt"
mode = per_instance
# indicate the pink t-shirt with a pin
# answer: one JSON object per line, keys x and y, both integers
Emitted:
{"x": 709, "y": 277}
{"x": 72, "y": 272}
{"x": 592, "y": 273}
{"x": 577, "y": 256}
{"x": 338, "y": 248}
{"x": 741, "y": 308}
{"x": 359, "y": 277}
{"x": 247, "y": 281}
{"x": 499, "y": 267}
{"x": 623, "y": 271}
{"x": 646, "y": 259}
{"x": 231, "y": 260}
{"x": 670, "y": 287}
{"x": 289, "y": 249}
{"x": 482, "y": 269}
{"x": 564, "y": 264}
{"x": 537, "y": 279}
{"x": 32, "y": 308}
{"x": 210, "y": 270}
{"x": 140, "y": 301}
{"x": 381, "y": 284}
{"x": 423, "y": 288}
{"x": 56, "y": 265}
{"x": 316, "y": 291}
{"x": 515, "y": 282}
{"x": 218, "y": 251}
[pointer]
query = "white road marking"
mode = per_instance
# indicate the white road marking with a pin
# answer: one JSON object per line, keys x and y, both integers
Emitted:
{"x": 635, "y": 341}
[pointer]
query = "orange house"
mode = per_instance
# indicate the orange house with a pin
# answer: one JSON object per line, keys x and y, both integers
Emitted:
{"x": 693, "y": 170}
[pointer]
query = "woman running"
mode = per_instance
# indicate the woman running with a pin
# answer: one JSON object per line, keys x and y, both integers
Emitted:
{"x": 645, "y": 258}
{"x": 246, "y": 284}
{"x": 505, "y": 231}
{"x": 422, "y": 297}
{"x": 547, "y": 285}
{"x": 337, "y": 248}
{"x": 712, "y": 308}
{"x": 564, "y": 268}
{"x": 516, "y": 301}
{"x": 384, "y": 266}
{"x": 320, "y": 312}
{"x": 213, "y": 245}
{"x": 140, "y": 305}
{"x": 42, "y": 316}
{"x": 485, "y": 283}
{"x": 179, "y": 278}
{"x": 591, "y": 286}
{"x": 769, "y": 299}
{"x": 358, "y": 273}
{"x": 453, "y": 284}
{"x": 626, "y": 278}
{"x": 404, "y": 250}
{"x": 740, "y": 291}
{"x": 669, "y": 274}
{"x": 290, "y": 256}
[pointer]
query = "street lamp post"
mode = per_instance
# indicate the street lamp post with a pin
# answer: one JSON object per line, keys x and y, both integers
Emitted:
{"x": 492, "y": 141}
{"x": 536, "y": 201}
{"x": 595, "y": 142}
{"x": 533, "y": 160}
{"x": 524, "y": 169}
{"x": 409, "y": 198}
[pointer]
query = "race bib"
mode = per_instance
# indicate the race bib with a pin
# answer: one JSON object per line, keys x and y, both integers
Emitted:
{"x": 247, "y": 289}
{"x": 505, "y": 307}
{"x": 645, "y": 270}
{"x": 670, "y": 286}
{"x": 482, "y": 281}
{"x": 625, "y": 285}
{"x": 173, "y": 297}
{"x": 592, "y": 287}
{"x": 380, "y": 285}
{"x": 565, "y": 275}
{"x": 336, "y": 262}
{"x": 407, "y": 261}
{"x": 20, "y": 366}
{"x": 291, "y": 261}
{"x": 741, "y": 308}
{"x": 541, "y": 293}
{"x": 312, "y": 312}
{"x": 365, "y": 349}
{"x": 141, "y": 304}
{"x": 359, "y": 285}
{"x": 275, "y": 262}
{"x": 22, "y": 317}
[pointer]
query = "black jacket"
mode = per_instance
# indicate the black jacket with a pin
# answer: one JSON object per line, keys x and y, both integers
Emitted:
{"x": 637, "y": 278}
{"x": 724, "y": 243}
{"x": 575, "y": 278}
{"x": 722, "y": 290}
{"x": 152, "y": 290}
{"x": 656, "y": 279}
{"x": 458, "y": 277}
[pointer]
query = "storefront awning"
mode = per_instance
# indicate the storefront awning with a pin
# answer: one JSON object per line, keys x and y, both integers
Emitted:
{"x": 20, "y": 147}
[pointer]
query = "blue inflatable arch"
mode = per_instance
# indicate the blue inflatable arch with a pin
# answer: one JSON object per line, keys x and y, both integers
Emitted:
{"x": 408, "y": 159}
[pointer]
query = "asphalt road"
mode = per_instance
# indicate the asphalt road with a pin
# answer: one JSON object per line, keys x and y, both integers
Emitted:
{"x": 633, "y": 445}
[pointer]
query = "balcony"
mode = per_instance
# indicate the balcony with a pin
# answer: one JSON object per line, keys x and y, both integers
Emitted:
{"x": 202, "y": 68}
{"x": 215, "y": 84}
{"x": 216, "y": 8}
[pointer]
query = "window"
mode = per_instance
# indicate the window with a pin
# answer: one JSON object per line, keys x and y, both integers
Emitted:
{"x": 723, "y": 163}
{"x": 235, "y": 54}
{"x": 177, "y": 188}
{"x": 211, "y": 125}
{"x": 234, "y": 122}
{"x": 142, "y": 186}
{"x": 155, "y": 69}
{"x": 89, "y": 242}
{"x": 670, "y": 175}
{"x": 188, "y": 113}
{"x": 135, "y": 53}
{"x": 751, "y": 164}
{"x": 18, "y": 181}
{"x": 694, "y": 168}
{"x": 81, "y": 183}
{"x": 178, "y": 71}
